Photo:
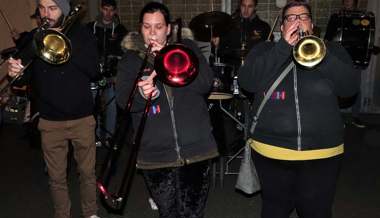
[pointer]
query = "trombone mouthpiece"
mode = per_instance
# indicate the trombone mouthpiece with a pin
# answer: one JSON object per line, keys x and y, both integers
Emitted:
{"x": 302, "y": 33}
{"x": 45, "y": 24}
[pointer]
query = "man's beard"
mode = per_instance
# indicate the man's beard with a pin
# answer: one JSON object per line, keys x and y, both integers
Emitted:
{"x": 59, "y": 22}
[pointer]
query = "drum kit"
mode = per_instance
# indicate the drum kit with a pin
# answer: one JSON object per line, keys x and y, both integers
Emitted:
{"x": 210, "y": 24}
{"x": 230, "y": 115}
{"x": 356, "y": 33}
{"x": 205, "y": 27}
{"x": 354, "y": 30}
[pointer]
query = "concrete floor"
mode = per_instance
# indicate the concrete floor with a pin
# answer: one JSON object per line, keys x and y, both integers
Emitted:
{"x": 24, "y": 185}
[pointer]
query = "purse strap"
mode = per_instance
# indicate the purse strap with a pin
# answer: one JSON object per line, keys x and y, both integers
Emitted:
{"x": 268, "y": 94}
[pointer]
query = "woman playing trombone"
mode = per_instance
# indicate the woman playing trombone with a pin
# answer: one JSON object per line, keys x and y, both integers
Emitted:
{"x": 177, "y": 141}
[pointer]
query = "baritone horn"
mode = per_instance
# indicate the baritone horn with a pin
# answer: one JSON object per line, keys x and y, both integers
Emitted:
{"x": 309, "y": 51}
{"x": 176, "y": 65}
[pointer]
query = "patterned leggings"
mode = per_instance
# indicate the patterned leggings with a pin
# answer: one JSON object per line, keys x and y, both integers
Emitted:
{"x": 179, "y": 192}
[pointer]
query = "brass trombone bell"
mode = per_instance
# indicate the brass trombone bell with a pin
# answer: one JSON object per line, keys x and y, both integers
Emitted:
{"x": 309, "y": 51}
{"x": 54, "y": 47}
{"x": 176, "y": 65}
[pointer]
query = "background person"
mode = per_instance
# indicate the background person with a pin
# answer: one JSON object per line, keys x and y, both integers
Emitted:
{"x": 247, "y": 30}
{"x": 109, "y": 33}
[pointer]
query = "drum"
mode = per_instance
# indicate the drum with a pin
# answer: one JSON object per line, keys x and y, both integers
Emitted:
{"x": 222, "y": 83}
{"x": 356, "y": 34}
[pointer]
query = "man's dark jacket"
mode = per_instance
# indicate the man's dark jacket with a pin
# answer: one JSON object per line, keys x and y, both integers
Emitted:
{"x": 62, "y": 92}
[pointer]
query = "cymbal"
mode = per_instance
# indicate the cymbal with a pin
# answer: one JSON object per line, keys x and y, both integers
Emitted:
{"x": 213, "y": 23}
{"x": 220, "y": 96}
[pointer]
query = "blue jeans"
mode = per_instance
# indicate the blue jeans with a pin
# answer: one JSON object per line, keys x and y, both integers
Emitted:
{"x": 105, "y": 110}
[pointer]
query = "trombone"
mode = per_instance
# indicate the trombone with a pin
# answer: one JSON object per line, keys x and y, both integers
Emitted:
{"x": 309, "y": 51}
{"x": 50, "y": 45}
{"x": 53, "y": 46}
{"x": 176, "y": 65}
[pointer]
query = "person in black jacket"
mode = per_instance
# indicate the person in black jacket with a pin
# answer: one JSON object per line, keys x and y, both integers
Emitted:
{"x": 108, "y": 32}
{"x": 177, "y": 141}
{"x": 298, "y": 140}
{"x": 246, "y": 31}
{"x": 65, "y": 104}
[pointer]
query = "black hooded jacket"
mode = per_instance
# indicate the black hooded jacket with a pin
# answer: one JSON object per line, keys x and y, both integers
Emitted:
{"x": 178, "y": 129}
{"x": 302, "y": 119}
{"x": 108, "y": 39}
{"x": 62, "y": 92}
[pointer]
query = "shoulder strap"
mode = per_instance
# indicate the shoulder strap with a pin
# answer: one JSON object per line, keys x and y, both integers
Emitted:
{"x": 268, "y": 94}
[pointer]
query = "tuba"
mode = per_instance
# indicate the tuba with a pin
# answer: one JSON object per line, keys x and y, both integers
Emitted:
{"x": 53, "y": 46}
{"x": 309, "y": 51}
{"x": 176, "y": 65}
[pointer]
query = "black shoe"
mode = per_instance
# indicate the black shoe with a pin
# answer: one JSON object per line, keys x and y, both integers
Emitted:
{"x": 358, "y": 123}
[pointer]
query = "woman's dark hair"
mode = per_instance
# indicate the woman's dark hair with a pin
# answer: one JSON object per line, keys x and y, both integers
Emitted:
{"x": 295, "y": 3}
{"x": 152, "y": 7}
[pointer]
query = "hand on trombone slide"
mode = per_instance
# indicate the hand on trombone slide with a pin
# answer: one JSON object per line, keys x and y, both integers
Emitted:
{"x": 147, "y": 85}
{"x": 14, "y": 67}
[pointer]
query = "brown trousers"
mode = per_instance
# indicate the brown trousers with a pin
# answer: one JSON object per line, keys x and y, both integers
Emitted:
{"x": 55, "y": 138}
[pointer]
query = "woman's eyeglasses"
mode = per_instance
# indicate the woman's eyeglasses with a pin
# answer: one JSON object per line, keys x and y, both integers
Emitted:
{"x": 294, "y": 17}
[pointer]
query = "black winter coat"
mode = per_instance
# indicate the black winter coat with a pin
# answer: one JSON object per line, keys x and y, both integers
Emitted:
{"x": 62, "y": 92}
{"x": 178, "y": 129}
{"x": 311, "y": 93}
